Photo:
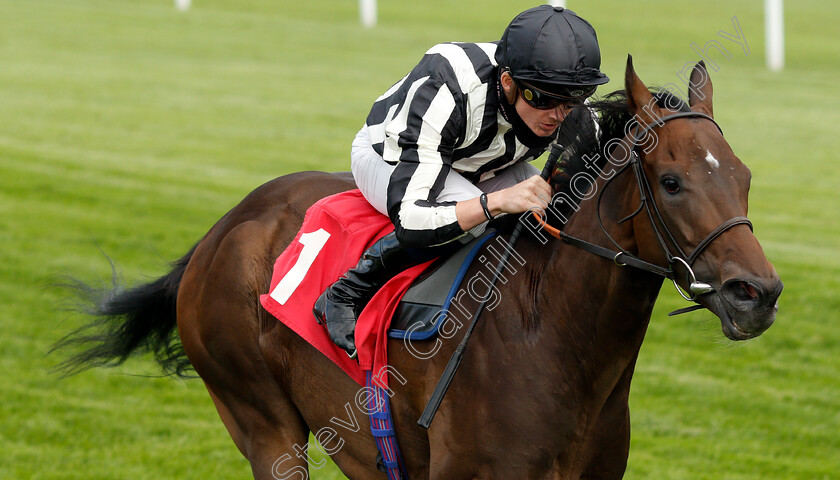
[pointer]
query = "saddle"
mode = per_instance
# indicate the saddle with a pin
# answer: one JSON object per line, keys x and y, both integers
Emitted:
{"x": 424, "y": 307}
{"x": 335, "y": 232}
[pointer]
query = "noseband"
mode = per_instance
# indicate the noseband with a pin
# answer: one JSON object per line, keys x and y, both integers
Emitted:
{"x": 621, "y": 257}
{"x": 663, "y": 234}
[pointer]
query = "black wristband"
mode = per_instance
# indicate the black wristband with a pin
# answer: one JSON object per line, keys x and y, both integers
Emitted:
{"x": 483, "y": 201}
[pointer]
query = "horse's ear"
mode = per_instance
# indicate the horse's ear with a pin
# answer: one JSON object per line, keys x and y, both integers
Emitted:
{"x": 639, "y": 98}
{"x": 700, "y": 90}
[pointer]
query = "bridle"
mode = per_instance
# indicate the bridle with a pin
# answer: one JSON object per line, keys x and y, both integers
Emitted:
{"x": 621, "y": 256}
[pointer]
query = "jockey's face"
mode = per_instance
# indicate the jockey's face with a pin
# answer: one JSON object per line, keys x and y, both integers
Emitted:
{"x": 543, "y": 122}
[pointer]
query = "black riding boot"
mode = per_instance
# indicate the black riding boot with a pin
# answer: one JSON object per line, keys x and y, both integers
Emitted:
{"x": 340, "y": 305}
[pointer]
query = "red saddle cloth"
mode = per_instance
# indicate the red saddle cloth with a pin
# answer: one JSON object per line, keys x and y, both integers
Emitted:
{"x": 335, "y": 233}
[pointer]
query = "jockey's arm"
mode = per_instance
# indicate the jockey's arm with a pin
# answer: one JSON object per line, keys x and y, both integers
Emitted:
{"x": 529, "y": 194}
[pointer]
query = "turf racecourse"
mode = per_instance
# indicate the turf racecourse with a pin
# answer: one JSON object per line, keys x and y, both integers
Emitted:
{"x": 127, "y": 127}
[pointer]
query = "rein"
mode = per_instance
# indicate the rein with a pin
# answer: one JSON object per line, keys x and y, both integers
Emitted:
{"x": 622, "y": 257}
{"x": 455, "y": 360}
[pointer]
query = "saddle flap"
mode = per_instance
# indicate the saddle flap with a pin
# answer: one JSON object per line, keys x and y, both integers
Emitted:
{"x": 417, "y": 315}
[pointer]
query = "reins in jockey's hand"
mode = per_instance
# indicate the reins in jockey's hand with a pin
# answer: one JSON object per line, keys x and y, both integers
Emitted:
{"x": 620, "y": 256}
{"x": 624, "y": 258}
{"x": 455, "y": 361}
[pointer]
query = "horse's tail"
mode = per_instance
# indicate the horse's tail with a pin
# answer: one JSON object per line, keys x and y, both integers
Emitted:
{"x": 127, "y": 322}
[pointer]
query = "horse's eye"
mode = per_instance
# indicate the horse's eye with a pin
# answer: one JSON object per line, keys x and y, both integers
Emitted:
{"x": 671, "y": 185}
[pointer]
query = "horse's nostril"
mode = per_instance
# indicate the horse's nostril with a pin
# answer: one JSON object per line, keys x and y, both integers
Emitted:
{"x": 746, "y": 291}
{"x": 742, "y": 291}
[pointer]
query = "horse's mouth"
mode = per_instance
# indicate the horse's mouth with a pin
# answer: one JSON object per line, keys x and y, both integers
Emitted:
{"x": 729, "y": 325}
{"x": 732, "y": 330}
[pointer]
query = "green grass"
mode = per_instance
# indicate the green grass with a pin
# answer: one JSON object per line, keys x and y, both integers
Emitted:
{"x": 127, "y": 127}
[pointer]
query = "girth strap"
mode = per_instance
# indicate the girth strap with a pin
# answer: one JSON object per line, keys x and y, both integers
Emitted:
{"x": 382, "y": 428}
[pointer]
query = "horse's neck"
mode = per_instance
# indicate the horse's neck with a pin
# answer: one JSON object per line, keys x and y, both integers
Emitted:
{"x": 603, "y": 308}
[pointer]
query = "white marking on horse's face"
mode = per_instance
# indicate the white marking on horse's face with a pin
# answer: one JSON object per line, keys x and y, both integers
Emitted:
{"x": 711, "y": 160}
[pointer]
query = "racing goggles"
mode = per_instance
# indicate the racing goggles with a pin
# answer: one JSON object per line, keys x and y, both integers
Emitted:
{"x": 559, "y": 95}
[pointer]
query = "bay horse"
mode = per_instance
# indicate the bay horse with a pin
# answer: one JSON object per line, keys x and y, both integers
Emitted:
{"x": 542, "y": 392}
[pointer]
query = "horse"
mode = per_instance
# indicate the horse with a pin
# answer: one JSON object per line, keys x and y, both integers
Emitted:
{"x": 542, "y": 392}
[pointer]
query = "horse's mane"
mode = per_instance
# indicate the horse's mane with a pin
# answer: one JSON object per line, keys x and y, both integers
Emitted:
{"x": 587, "y": 147}
{"x": 586, "y": 150}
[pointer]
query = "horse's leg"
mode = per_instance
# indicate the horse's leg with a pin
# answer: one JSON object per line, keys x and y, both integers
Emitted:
{"x": 609, "y": 445}
{"x": 230, "y": 422}
{"x": 274, "y": 453}
{"x": 218, "y": 320}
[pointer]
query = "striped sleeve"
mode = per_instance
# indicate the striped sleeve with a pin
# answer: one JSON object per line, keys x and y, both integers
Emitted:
{"x": 445, "y": 105}
{"x": 420, "y": 139}
{"x": 420, "y": 123}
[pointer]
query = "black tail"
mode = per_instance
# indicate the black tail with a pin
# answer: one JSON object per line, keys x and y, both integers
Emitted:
{"x": 128, "y": 322}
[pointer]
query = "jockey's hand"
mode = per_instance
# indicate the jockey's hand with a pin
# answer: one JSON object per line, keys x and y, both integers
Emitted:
{"x": 530, "y": 194}
{"x": 534, "y": 193}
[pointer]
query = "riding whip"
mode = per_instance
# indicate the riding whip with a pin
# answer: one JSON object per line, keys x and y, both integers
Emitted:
{"x": 455, "y": 361}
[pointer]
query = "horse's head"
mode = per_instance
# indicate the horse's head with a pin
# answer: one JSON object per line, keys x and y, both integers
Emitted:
{"x": 699, "y": 192}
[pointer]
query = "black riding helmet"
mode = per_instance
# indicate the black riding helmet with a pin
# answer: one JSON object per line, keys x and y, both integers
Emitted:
{"x": 552, "y": 50}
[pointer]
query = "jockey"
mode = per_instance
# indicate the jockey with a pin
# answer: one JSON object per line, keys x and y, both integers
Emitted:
{"x": 445, "y": 149}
